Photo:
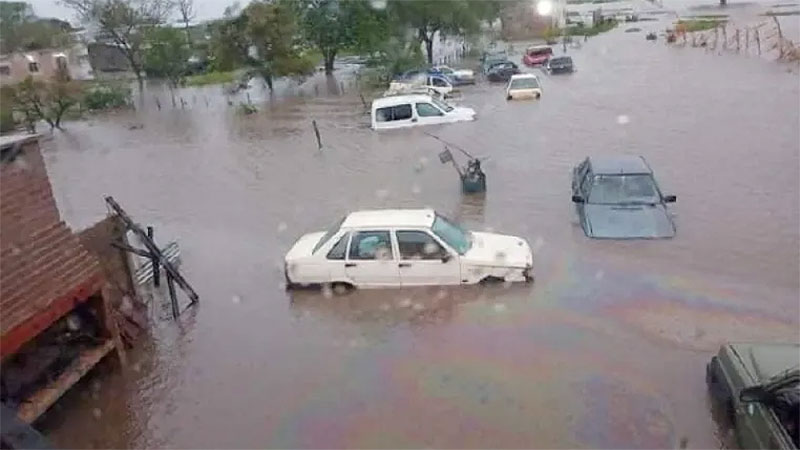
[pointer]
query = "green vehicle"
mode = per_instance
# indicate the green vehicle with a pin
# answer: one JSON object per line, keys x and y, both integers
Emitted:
{"x": 756, "y": 389}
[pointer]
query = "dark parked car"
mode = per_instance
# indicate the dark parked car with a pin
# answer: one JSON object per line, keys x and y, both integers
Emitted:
{"x": 491, "y": 58}
{"x": 502, "y": 71}
{"x": 617, "y": 198}
{"x": 560, "y": 64}
{"x": 756, "y": 389}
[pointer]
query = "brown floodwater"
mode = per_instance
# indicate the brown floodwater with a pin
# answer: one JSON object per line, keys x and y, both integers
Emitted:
{"x": 607, "y": 348}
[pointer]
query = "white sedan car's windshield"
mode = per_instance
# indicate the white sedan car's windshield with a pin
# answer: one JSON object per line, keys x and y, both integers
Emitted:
{"x": 624, "y": 189}
{"x": 330, "y": 232}
{"x": 525, "y": 83}
{"x": 455, "y": 236}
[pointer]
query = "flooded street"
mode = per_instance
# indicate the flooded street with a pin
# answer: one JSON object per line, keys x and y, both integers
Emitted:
{"x": 607, "y": 348}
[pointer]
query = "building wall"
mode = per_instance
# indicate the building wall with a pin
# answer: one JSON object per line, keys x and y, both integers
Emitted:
{"x": 107, "y": 58}
{"x": 114, "y": 262}
{"x": 16, "y": 67}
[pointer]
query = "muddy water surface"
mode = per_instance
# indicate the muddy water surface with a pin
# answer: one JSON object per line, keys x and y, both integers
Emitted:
{"x": 606, "y": 349}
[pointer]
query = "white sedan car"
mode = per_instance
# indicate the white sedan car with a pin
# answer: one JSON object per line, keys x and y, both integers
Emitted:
{"x": 404, "y": 247}
{"x": 523, "y": 86}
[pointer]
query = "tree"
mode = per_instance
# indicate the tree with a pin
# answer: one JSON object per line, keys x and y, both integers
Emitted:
{"x": 49, "y": 101}
{"x": 21, "y": 30}
{"x": 263, "y": 37}
{"x": 431, "y": 17}
{"x": 334, "y": 25}
{"x": 124, "y": 23}
{"x": 166, "y": 54}
{"x": 187, "y": 13}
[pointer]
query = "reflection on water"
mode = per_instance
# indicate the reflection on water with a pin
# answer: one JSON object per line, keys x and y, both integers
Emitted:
{"x": 606, "y": 349}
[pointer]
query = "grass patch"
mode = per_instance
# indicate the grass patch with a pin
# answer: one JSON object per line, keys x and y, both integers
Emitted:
{"x": 594, "y": 30}
{"x": 583, "y": 2}
{"x": 211, "y": 78}
{"x": 692, "y": 25}
{"x": 709, "y": 17}
{"x": 781, "y": 13}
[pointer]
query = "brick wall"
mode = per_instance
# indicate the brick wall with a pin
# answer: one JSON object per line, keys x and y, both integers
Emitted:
{"x": 44, "y": 269}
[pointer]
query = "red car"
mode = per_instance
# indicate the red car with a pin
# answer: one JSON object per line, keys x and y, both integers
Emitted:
{"x": 537, "y": 55}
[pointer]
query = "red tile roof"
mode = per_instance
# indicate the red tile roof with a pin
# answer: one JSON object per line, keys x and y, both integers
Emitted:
{"x": 44, "y": 269}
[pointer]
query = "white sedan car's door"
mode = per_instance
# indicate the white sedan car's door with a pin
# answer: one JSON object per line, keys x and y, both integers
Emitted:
{"x": 371, "y": 261}
{"x": 423, "y": 260}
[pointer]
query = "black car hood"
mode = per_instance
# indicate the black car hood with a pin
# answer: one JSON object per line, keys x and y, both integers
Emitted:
{"x": 628, "y": 222}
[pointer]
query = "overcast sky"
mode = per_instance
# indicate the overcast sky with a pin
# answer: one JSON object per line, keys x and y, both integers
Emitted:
{"x": 206, "y": 9}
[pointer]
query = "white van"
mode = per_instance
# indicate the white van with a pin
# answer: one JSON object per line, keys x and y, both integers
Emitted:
{"x": 412, "y": 110}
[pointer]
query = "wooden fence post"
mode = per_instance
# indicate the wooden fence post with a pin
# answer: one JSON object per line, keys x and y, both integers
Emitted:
{"x": 758, "y": 41}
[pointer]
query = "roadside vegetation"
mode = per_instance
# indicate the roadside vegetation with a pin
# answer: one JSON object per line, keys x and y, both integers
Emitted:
{"x": 781, "y": 13}
{"x": 265, "y": 39}
{"x": 553, "y": 33}
{"x": 693, "y": 25}
{"x": 214, "y": 77}
{"x": 30, "y": 102}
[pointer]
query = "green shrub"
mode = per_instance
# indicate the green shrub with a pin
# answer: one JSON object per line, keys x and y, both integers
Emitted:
{"x": 107, "y": 97}
{"x": 211, "y": 78}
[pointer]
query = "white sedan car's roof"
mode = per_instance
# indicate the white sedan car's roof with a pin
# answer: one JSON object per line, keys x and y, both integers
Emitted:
{"x": 389, "y": 218}
{"x": 520, "y": 76}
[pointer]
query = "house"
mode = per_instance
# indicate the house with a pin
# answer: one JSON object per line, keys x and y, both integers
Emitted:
{"x": 44, "y": 64}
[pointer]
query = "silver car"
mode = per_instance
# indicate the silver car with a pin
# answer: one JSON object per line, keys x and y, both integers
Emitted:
{"x": 616, "y": 197}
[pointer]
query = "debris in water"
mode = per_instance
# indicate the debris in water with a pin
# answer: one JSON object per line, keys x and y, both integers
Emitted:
{"x": 622, "y": 119}
{"x": 418, "y": 307}
{"x": 404, "y": 303}
{"x": 236, "y": 299}
{"x": 282, "y": 227}
{"x": 97, "y": 413}
{"x": 500, "y": 307}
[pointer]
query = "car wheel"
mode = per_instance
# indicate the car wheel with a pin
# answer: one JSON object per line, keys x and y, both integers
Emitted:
{"x": 492, "y": 280}
{"x": 341, "y": 288}
{"x": 508, "y": 97}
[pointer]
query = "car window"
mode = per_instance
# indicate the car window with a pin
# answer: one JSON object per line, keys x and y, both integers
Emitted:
{"x": 383, "y": 114}
{"x": 371, "y": 245}
{"x": 622, "y": 189}
{"x": 418, "y": 245}
{"x": 452, "y": 234}
{"x": 328, "y": 234}
{"x": 339, "y": 249}
{"x": 438, "y": 82}
{"x": 428, "y": 110}
{"x": 402, "y": 112}
{"x": 586, "y": 184}
{"x": 390, "y": 113}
